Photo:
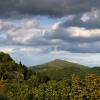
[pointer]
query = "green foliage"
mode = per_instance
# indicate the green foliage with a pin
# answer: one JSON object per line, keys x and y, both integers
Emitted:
{"x": 4, "y": 57}
{"x": 17, "y": 91}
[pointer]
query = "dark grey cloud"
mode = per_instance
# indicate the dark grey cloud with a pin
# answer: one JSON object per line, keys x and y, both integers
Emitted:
{"x": 46, "y": 7}
{"x": 77, "y": 22}
{"x": 80, "y": 47}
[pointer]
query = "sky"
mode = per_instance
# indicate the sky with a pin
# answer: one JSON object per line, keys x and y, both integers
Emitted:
{"x": 37, "y": 31}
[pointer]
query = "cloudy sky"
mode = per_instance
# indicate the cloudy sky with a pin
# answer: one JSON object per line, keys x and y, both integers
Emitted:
{"x": 37, "y": 31}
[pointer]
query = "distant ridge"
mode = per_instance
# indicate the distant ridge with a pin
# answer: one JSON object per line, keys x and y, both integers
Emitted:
{"x": 61, "y": 69}
{"x": 59, "y": 61}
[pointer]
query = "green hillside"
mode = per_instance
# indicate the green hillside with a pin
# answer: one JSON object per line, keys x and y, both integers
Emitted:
{"x": 94, "y": 70}
{"x": 9, "y": 69}
{"x": 60, "y": 69}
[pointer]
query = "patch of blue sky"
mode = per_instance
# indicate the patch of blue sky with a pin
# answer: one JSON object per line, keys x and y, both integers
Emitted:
{"x": 36, "y": 59}
{"x": 46, "y": 21}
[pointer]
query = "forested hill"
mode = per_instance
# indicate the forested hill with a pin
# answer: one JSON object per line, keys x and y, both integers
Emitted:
{"x": 60, "y": 69}
{"x": 9, "y": 69}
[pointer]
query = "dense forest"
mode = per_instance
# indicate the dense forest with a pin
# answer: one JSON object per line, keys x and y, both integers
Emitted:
{"x": 56, "y": 80}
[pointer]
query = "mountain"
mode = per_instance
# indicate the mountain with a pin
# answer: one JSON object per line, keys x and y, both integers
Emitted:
{"x": 60, "y": 69}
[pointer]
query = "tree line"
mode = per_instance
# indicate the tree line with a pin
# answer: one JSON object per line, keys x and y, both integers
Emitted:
{"x": 42, "y": 88}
